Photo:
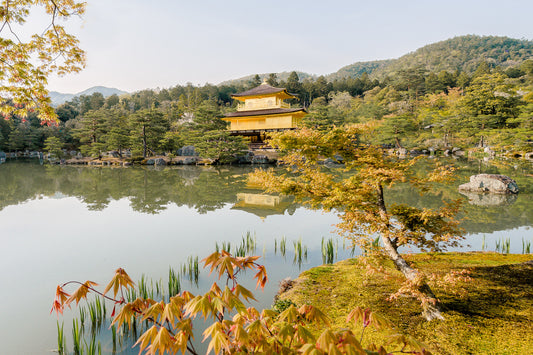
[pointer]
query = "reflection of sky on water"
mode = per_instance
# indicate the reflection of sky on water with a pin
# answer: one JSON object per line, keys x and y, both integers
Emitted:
{"x": 42, "y": 245}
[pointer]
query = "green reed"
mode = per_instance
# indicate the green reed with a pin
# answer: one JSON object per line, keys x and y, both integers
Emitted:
{"x": 191, "y": 269}
{"x": 174, "y": 285}
{"x": 76, "y": 337}
{"x": 300, "y": 252}
{"x": 61, "y": 341}
{"x": 526, "y": 246}
{"x": 82, "y": 315}
{"x": 93, "y": 348}
{"x": 248, "y": 245}
{"x": 283, "y": 246}
{"x": 328, "y": 255}
{"x": 503, "y": 246}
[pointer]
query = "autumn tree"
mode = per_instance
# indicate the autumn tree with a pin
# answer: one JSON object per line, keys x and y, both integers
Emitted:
{"x": 358, "y": 192}
{"x": 27, "y": 60}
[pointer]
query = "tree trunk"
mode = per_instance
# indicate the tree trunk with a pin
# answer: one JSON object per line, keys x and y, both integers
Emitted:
{"x": 398, "y": 145}
{"x": 144, "y": 142}
{"x": 430, "y": 304}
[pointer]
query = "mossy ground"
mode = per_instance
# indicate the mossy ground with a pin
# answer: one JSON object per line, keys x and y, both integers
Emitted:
{"x": 490, "y": 314}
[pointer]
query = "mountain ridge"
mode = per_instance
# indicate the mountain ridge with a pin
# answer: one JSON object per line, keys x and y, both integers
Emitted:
{"x": 59, "y": 98}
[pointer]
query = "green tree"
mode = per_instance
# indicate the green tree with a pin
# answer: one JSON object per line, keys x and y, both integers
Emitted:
{"x": 442, "y": 115}
{"x": 53, "y": 146}
{"x": 16, "y": 139}
{"x": 217, "y": 145}
{"x": 117, "y": 136}
{"x": 318, "y": 116}
{"x": 293, "y": 83}
{"x": 256, "y": 81}
{"x": 66, "y": 112}
{"x": 396, "y": 127}
{"x": 112, "y": 101}
{"x": 25, "y": 65}
{"x": 208, "y": 134}
{"x": 146, "y": 129}
{"x": 272, "y": 79}
{"x": 490, "y": 101}
{"x": 411, "y": 80}
{"x": 90, "y": 129}
{"x": 357, "y": 191}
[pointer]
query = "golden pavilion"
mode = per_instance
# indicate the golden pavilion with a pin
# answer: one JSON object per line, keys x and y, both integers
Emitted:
{"x": 262, "y": 110}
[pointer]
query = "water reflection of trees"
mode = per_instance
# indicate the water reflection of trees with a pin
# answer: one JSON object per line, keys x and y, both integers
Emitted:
{"x": 151, "y": 190}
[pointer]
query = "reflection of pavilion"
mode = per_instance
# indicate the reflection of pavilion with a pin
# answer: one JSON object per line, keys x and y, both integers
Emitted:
{"x": 263, "y": 205}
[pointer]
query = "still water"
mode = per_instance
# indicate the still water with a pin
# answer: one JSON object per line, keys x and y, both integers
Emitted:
{"x": 61, "y": 223}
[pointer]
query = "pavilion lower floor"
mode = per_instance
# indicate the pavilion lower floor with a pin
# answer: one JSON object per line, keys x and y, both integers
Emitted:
{"x": 257, "y": 138}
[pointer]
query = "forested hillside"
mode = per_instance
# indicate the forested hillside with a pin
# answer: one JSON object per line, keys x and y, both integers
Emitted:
{"x": 357, "y": 69}
{"x": 463, "y": 53}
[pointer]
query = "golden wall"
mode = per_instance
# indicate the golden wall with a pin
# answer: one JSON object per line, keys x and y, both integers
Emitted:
{"x": 263, "y": 122}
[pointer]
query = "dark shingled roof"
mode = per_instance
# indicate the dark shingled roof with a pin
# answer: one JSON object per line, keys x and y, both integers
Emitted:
{"x": 263, "y": 89}
{"x": 273, "y": 111}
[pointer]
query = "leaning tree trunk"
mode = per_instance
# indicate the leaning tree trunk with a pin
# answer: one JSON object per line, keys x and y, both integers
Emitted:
{"x": 430, "y": 303}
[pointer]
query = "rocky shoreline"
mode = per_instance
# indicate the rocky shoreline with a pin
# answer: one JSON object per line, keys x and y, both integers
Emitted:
{"x": 269, "y": 156}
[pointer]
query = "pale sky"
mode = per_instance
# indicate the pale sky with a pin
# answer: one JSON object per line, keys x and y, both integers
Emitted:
{"x": 137, "y": 44}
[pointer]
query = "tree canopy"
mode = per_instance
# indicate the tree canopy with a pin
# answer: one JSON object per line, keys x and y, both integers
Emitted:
{"x": 27, "y": 60}
{"x": 357, "y": 192}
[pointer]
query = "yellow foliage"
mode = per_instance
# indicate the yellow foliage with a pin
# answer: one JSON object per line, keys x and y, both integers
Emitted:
{"x": 26, "y": 65}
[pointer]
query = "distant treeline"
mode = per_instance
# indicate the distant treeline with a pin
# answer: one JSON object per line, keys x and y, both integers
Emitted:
{"x": 415, "y": 108}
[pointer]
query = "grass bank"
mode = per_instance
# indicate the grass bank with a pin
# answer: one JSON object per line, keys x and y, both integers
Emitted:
{"x": 492, "y": 313}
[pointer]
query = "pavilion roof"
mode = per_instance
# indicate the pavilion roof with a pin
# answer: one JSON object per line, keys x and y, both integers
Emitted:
{"x": 263, "y": 89}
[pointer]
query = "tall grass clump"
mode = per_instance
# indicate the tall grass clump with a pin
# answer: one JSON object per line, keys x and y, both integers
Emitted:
{"x": 503, "y": 246}
{"x": 300, "y": 252}
{"x": 174, "y": 285}
{"x": 526, "y": 246}
{"x": 61, "y": 342}
{"x": 92, "y": 348}
{"x": 82, "y": 315}
{"x": 76, "y": 337}
{"x": 328, "y": 252}
{"x": 283, "y": 246}
{"x": 191, "y": 269}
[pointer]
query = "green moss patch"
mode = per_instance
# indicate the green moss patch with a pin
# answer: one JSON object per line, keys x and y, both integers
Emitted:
{"x": 492, "y": 313}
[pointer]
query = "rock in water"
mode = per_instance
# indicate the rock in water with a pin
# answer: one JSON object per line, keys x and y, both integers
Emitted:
{"x": 498, "y": 184}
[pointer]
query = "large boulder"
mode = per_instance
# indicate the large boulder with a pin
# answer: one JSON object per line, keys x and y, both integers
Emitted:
{"x": 498, "y": 184}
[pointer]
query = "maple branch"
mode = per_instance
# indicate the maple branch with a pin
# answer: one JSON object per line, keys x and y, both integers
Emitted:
{"x": 122, "y": 301}
{"x": 13, "y": 32}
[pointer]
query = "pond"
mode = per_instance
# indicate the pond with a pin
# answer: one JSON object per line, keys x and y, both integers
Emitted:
{"x": 61, "y": 223}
